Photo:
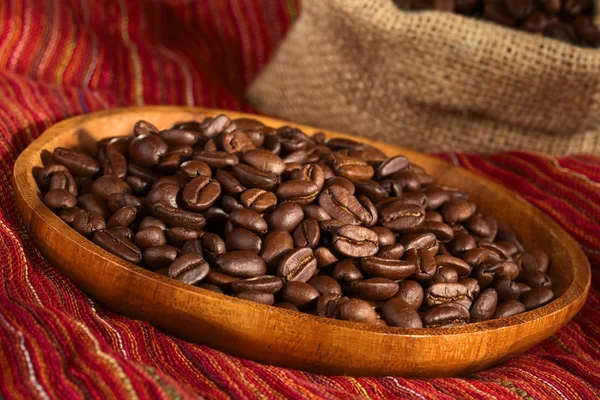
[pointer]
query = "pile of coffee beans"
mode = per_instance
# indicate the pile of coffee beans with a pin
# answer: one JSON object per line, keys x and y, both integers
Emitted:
{"x": 329, "y": 227}
{"x": 568, "y": 20}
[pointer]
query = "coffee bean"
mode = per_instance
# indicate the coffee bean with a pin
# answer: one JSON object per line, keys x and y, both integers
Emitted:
{"x": 356, "y": 241}
{"x": 398, "y": 313}
{"x": 297, "y": 265}
{"x": 250, "y": 220}
{"x": 118, "y": 245}
{"x": 201, "y": 193}
{"x": 315, "y": 212}
{"x": 212, "y": 246}
{"x": 445, "y": 275}
{"x": 174, "y": 217}
{"x": 151, "y": 221}
{"x": 347, "y": 270}
{"x": 355, "y": 310}
{"x": 243, "y": 264}
{"x": 325, "y": 257}
{"x": 325, "y": 284}
{"x": 68, "y": 214}
{"x": 216, "y": 159}
{"x": 122, "y": 217}
{"x": 307, "y": 234}
{"x": 146, "y": 150}
{"x": 178, "y": 235}
{"x": 243, "y": 239}
{"x": 508, "y": 308}
{"x": 391, "y": 166}
{"x": 536, "y": 297}
{"x": 189, "y": 268}
{"x": 391, "y": 252}
{"x": 265, "y": 284}
{"x": 300, "y": 294}
{"x": 534, "y": 279}
{"x": 258, "y": 200}
{"x": 257, "y": 297}
{"x": 60, "y": 198}
{"x": 401, "y": 217}
{"x": 353, "y": 168}
{"x": 87, "y": 223}
{"x": 228, "y": 183}
{"x": 376, "y": 289}
{"x": 160, "y": 256}
{"x": 411, "y": 293}
{"x": 390, "y": 269}
{"x": 342, "y": 205}
{"x": 150, "y": 236}
{"x": 440, "y": 293}
{"x": 77, "y": 163}
{"x": 221, "y": 280}
{"x": 285, "y": 217}
{"x": 446, "y": 315}
{"x": 254, "y": 178}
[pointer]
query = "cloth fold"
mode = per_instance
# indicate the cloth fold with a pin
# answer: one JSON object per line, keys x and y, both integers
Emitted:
{"x": 63, "y": 58}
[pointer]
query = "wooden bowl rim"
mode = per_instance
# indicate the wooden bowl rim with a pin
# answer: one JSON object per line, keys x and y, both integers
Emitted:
{"x": 25, "y": 182}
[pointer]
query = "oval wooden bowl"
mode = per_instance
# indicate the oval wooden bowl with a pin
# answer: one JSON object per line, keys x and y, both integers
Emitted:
{"x": 286, "y": 338}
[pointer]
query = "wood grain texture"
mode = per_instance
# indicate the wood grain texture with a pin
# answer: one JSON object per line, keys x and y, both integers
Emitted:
{"x": 286, "y": 338}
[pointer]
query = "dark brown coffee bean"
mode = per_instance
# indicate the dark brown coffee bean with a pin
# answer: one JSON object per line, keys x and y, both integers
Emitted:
{"x": 537, "y": 297}
{"x": 243, "y": 239}
{"x": 144, "y": 128}
{"x": 167, "y": 193}
{"x": 286, "y": 305}
{"x": 342, "y": 205}
{"x": 117, "y": 201}
{"x": 77, "y": 163}
{"x": 384, "y": 235}
{"x": 146, "y": 150}
{"x": 536, "y": 22}
{"x": 200, "y": 193}
{"x": 119, "y": 245}
{"x": 221, "y": 280}
{"x": 180, "y": 137}
{"x": 391, "y": 166}
{"x": 353, "y": 168}
{"x": 174, "y": 217}
{"x": 325, "y": 284}
{"x": 257, "y": 297}
{"x": 264, "y": 160}
{"x": 440, "y": 293}
{"x": 189, "y": 268}
{"x": 339, "y": 181}
{"x": 178, "y": 235}
{"x": 398, "y": 313}
{"x": 228, "y": 183}
{"x": 235, "y": 142}
{"x": 356, "y": 241}
{"x": 445, "y": 275}
{"x": 300, "y": 294}
{"x": 519, "y": 9}
{"x": 297, "y": 265}
{"x": 400, "y": 217}
{"x": 461, "y": 243}
{"x": 355, "y": 310}
{"x": 150, "y": 236}
{"x": 411, "y": 293}
{"x": 68, "y": 214}
{"x": 391, "y": 252}
{"x": 508, "y": 308}
{"x": 325, "y": 258}
{"x": 330, "y": 227}
{"x": 534, "y": 279}
{"x": 138, "y": 185}
{"x": 108, "y": 185}
{"x": 587, "y": 30}
{"x": 86, "y": 223}
{"x": 60, "y": 198}
{"x": 212, "y": 246}
{"x": 243, "y": 264}
{"x": 572, "y": 7}
{"x": 216, "y": 159}
{"x": 307, "y": 234}
{"x": 122, "y": 217}
{"x": 285, "y": 217}
{"x": 250, "y": 220}
{"x": 457, "y": 210}
{"x": 425, "y": 260}
{"x": 258, "y": 200}
{"x": 484, "y": 306}
{"x": 371, "y": 189}
{"x": 390, "y": 269}
{"x": 64, "y": 180}
{"x": 347, "y": 270}
{"x": 160, "y": 256}
{"x": 376, "y": 289}
{"x": 446, "y": 315}
{"x": 315, "y": 212}
{"x": 195, "y": 168}
{"x": 461, "y": 267}
{"x": 265, "y": 284}
{"x": 151, "y": 221}
{"x": 254, "y": 178}
{"x": 506, "y": 289}
{"x": 274, "y": 246}
{"x": 542, "y": 260}
{"x": 211, "y": 127}
{"x": 561, "y": 31}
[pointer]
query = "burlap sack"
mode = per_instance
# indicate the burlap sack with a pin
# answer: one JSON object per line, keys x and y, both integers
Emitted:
{"x": 432, "y": 81}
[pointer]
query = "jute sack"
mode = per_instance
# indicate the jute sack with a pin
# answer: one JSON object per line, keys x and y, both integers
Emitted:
{"x": 432, "y": 81}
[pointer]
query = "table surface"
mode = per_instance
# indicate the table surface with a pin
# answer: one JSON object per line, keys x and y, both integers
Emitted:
{"x": 55, "y": 342}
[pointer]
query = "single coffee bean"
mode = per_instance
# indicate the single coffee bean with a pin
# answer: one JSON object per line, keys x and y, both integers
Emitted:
{"x": 542, "y": 260}
{"x": 353, "y": 168}
{"x": 325, "y": 258}
{"x": 446, "y": 315}
{"x": 298, "y": 191}
{"x": 297, "y": 265}
{"x": 391, "y": 252}
{"x": 151, "y": 221}
{"x": 536, "y": 297}
{"x": 228, "y": 183}
{"x": 398, "y": 313}
{"x": 285, "y": 217}
{"x": 119, "y": 245}
{"x": 265, "y": 284}
{"x": 411, "y": 293}
{"x": 286, "y": 305}
{"x": 250, "y": 220}
{"x": 484, "y": 306}
{"x": 325, "y": 284}
{"x": 122, "y": 217}
{"x": 107, "y": 185}
{"x": 192, "y": 246}
{"x": 174, "y": 217}
{"x": 146, "y": 150}
{"x": 401, "y": 217}
{"x": 457, "y": 210}
{"x": 376, "y": 289}
{"x": 167, "y": 193}
{"x": 342, "y": 205}
{"x": 120, "y": 200}
{"x": 212, "y": 246}
{"x": 189, "y": 268}
{"x": 445, "y": 275}
{"x": 60, "y": 198}
{"x": 257, "y": 297}
{"x": 243, "y": 239}
{"x": 371, "y": 189}
{"x": 216, "y": 159}
{"x": 264, "y": 160}
{"x": 339, "y": 181}
{"x": 461, "y": 267}
{"x": 150, "y": 236}
{"x": 307, "y": 234}
{"x": 258, "y": 200}
{"x": 461, "y": 243}
{"x": 144, "y": 128}
{"x": 391, "y": 166}
{"x": 178, "y": 235}
{"x": 508, "y": 308}
{"x": 235, "y": 142}
{"x": 195, "y": 168}
{"x": 160, "y": 256}
{"x": 347, "y": 270}
{"x": 77, "y": 163}
{"x": 425, "y": 260}
{"x": 356, "y": 241}
{"x": 315, "y": 212}
{"x": 68, "y": 214}
{"x": 300, "y": 294}
{"x": 200, "y": 193}
{"x": 180, "y": 137}
{"x": 86, "y": 223}
{"x": 274, "y": 246}
{"x": 386, "y": 268}
{"x": 243, "y": 264}
{"x": 506, "y": 289}
{"x": 440, "y": 293}
{"x": 64, "y": 180}
{"x": 221, "y": 280}
{"x": 534, "y": 279}
{"x": 355, "y": 310}
{"x": 254, "y": 178}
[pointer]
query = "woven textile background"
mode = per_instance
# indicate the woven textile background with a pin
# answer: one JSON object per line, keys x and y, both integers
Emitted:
{"x": 61, "y": 58}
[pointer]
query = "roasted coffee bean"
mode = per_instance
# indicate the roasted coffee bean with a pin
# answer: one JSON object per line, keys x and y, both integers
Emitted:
{"x": 286, "y": 305}
{"x": 195, "y": 168}
{"x": 445, "y": 275}
{"x": 257, "y": 297}
{"x": 325, "y": 257}
{"x": 316, "y": 213}
{"x": 300, "y": 294}
{"x": 355, "y": 310}
{"x": 243, "y": 264}
{"x": 274, "y": 246}
{"x": 174, "y": 217}
{"x": 122, "y": 217}
{"x": 457, "y": 210}
{"x": 446, "y": 315}
{"x": 587, "y": 30}
{"x": 68, "y": 214}
{"x": 340, "y": 204}
{"x": 146, "y": 150}
{"x": 386, "y": 268}
{"x": 60, "y": 198}
{"x": 353, "y": 168}
{"x": 508, "y": 308}
{"x": 356, "y": 241}
{"x": 189, "y": 268}
{"x": 347, "y": 270}
{"x": 201, "y": 193}
{"x": 87, "y": 223}
{"x": 534, "y": 279}
{"x": 160, "y": 256}
{"x": 397, "y": 312}
{"x": 298, "y": 191}
{"x": 371, "y": 189}
{"x": 243, "y": 239}
{"x": 64, "y": 180}
{"x": 391, "y": 252}
{"x": 144, "y": 128}
{"x": 506, "y": 289}
{"x": 297, "y": 265}
{"x": 167, "y": 193}
{"x": 150, "y": 236}
{"x": 119, "y": 245}
{"x": 117, "y": 201}
{"x": 339, "y": 181}
{"x": 223, "y": 281}
{"x": 264, "y": 160}
{"x": 212, "y": 246}
{"x": 265, "y": 284}
{"x": 440, "y": 293}
{"x": 285, "y": 217}
{"x": 542, "y": 260}
{"x": 536, "y": 297}
{"x": 307, "y": 234}
{"x": 425, "y": 261}
{"x": 178, "y": 137}
{"x": 411, "y": 293}
{"x": 461, "y": 243}
{"x": 216, "y": 159}
{"x": 254, "y": 178}
{"x": 325, "y": 284}
{"x": 250, "y": 220}
{"x": 128, "y": 233}
{"x": 107, "y": 185}
{"x": 400, "y": 217}
{"x": 258, "y": 200}
{"x": 461, "y": 267}
{"x": 391, "y": 166}
{"x": 384, "y": 235}
{"x": 138, "y": 185}
{"x": 147, "y": 222}
{"x": 77, "y": 163}
{"x": 210, "y": 287}
{"x": 376, "y": 289}
{"x": 178, "y": 235}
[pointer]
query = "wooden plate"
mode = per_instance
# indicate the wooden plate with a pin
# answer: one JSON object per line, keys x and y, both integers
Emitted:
{"x": 286, "y": 338}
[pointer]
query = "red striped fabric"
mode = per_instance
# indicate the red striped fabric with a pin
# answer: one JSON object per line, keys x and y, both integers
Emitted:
{"x": 62, "y": 58}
